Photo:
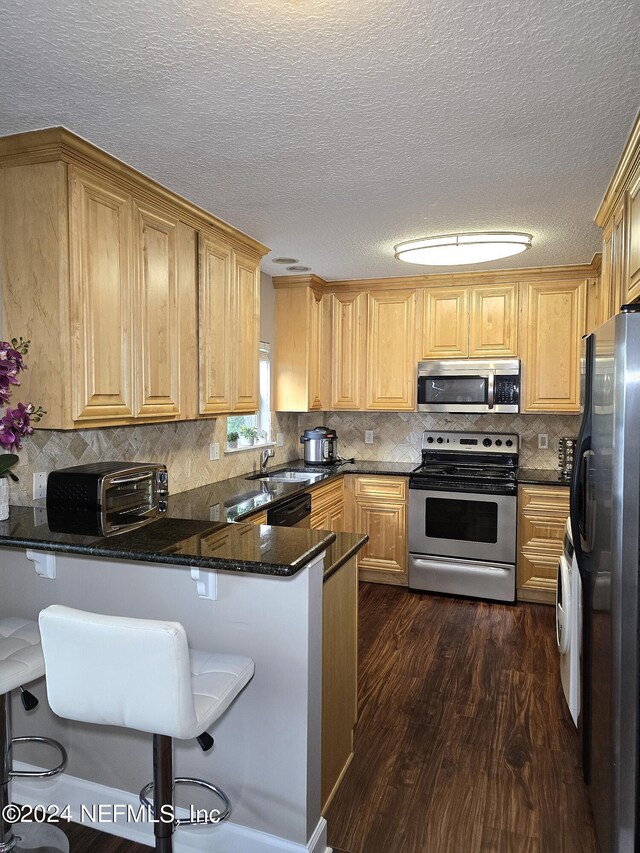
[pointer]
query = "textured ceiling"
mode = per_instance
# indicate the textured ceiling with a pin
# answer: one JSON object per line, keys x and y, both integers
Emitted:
{"x": 332, "y": 129}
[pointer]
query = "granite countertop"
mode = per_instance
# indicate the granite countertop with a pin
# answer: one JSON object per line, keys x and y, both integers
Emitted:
{"x": 196, "y": 529}
{"x": 180, "y": 541}
{"x": 239, "y": 497}
{"x": 542, "y": 477}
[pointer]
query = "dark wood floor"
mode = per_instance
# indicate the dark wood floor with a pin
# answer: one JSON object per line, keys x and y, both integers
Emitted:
{"x": 464, "y": 743}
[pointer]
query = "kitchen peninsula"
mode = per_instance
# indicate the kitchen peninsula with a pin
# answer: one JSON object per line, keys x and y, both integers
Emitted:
{"x": 237, "y": 588}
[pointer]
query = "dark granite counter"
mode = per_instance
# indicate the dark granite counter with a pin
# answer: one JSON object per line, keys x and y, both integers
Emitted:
{"x": 343, "y": 548}
{"x": 541, "y": 477}
{"x": 196, "y": 532}
{"x": 239, "y": 497}
{"x": 179, "y": 541}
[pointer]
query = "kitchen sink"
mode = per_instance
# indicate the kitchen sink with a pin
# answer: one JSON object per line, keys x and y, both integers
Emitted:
{"x": 288, "y": 477}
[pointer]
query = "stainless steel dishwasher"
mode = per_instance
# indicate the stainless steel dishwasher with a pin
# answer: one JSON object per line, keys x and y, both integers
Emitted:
{"x": 295, "y": 512}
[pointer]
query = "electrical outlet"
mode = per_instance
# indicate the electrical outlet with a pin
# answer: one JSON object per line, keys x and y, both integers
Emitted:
{"x": 214, "y": 512}
{"x": 214, "y": 451}
{"x": 368, "y": 436}
{"x": 543, "y": 441}
{"x": 279, "y": 439}
{"x": 39, "y": 485}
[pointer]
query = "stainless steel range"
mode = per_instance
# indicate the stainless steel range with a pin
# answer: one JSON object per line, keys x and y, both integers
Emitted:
{"x": 462, "y": 515}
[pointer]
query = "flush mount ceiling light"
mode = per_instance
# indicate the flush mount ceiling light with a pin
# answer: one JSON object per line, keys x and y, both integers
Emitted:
{"x": 451, "y": 249}
{"x": 284, "y": 260}
{"x": 299, "y": 268}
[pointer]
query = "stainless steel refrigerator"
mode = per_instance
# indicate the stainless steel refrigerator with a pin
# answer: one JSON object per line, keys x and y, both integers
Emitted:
{"x": 605, "y": 512}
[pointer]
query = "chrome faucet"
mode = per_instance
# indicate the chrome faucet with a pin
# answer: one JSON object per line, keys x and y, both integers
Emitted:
{"x": 265, "y": 456}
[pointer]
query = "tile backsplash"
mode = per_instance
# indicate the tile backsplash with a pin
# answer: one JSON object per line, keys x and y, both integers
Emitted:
{"x": 397, "y": 436}
{"x": 182, "y": 446}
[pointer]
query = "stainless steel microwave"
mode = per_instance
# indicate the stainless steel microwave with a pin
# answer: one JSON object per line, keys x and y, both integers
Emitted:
{"x": 469, "y": 385}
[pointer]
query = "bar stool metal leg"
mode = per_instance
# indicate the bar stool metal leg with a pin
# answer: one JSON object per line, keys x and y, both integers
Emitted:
{"x": 18, "y": 837}
{"x": 7, "y": 838}
{"x": 163, "y": 792}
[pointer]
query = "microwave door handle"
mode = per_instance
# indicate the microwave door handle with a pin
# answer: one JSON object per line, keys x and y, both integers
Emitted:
{"x": 490, "y": 390}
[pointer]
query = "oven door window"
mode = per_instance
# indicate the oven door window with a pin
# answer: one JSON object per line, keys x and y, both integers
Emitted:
{"x": 453, "y": 389}
{"x": 461, "y": 520}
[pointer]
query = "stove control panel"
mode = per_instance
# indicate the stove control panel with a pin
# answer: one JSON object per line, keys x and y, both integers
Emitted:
{"x": 470, "y": 442}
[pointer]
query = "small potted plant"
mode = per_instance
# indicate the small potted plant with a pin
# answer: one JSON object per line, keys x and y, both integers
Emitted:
{"x": 232, "y": 440}
{"x": 248, "y": 434}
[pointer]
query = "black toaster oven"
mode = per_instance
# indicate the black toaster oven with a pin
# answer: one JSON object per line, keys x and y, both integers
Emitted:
{"x": 106, "y": 497}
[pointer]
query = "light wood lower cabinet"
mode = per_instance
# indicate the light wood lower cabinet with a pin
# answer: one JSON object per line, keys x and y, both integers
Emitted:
{"x": 378, "y": 506}
{"x": 327, "y": 506}
{"x": 542, "y": 516}
{"x": 339, "y": 675}
{"x": 256, "y": 518}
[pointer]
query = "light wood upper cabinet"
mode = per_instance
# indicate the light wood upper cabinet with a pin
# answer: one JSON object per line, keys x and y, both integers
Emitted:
{"x": 553, "y": 319}
{"x": 300, "y": 349}
{"x": 315, "y": 353}
{"x": 391, "y": 362}
{"x": 348, "y": 355}
{"x": 445, "y": 322}
{"x": 102, "y": 299}
{"x": 229, "y": 328}
{"x": 216, "y": 319}
{"x": 493, "y": 321}
{"x": 247, "y": 341}
{"x": 100, "y": 266}
{"x": 157, "y": 363}
{"x": 633, "y": 289}
{"x": 619, "y": 218}
{"x": 477, "y": 321}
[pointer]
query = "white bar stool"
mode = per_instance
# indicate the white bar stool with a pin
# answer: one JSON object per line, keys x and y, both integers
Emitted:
{"x": 141, "y": 674}
{"x": 21, "y": 662}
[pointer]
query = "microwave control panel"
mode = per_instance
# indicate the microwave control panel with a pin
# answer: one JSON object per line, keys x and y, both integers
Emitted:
{"x": 506, "y": 390}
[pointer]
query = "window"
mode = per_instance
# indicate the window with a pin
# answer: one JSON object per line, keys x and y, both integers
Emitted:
{"x": 261, "y": 421}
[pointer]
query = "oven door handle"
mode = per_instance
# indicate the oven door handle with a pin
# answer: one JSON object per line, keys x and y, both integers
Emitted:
{"x": 490, "y": 390}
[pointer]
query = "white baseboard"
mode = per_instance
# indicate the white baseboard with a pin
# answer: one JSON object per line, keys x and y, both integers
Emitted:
{"x": 81, "y": 794}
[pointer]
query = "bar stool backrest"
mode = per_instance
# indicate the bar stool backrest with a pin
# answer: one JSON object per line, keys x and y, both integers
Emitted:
{"x": 115, "y": 670}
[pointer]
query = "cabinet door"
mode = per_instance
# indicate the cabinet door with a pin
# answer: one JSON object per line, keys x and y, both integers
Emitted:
{"x": 619, "y": 266}
{"x": 553, "y": 322}
{"x": 445, "y": 332}
{"x": 606, "y": 273}
{"x": 597, "y": 304}
{"x": 541, "y": 524}
{"x": 493, "y": 322}
{"x": 315, "y": 355}
{"x": 391, "y": 360}
{"x": 216, "y": 344}
{"x": 633, "y": 291}
{"x": 383, "y": 558}
{"x": 348, "y": 367}
{"x": 157, "y": 346}
{"x": 102, "y": 303}
{"x": 247, "y": 334}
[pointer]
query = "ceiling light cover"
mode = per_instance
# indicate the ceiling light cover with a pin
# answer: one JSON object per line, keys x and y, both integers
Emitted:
{"x": 284, "y": 260}
{"x": 453, "y": 249}
{"x": 299, "y": 268}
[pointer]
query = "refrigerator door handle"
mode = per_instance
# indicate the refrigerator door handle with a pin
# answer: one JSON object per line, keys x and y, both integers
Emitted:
{"x": 587, "y": 521}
